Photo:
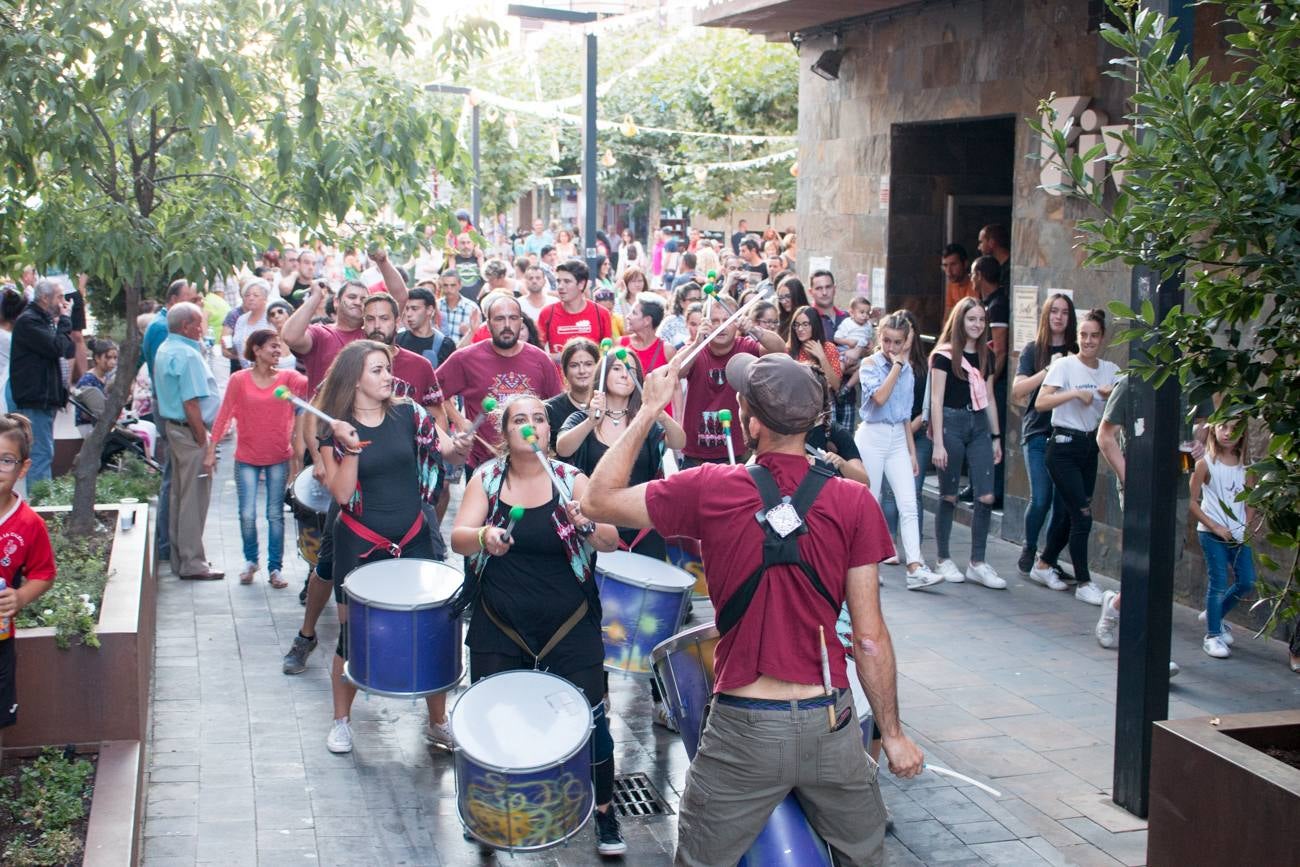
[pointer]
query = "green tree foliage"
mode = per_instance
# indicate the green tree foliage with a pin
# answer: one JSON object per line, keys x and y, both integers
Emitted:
{"x": 1211, "y": 192}
{"x": 149, "y": 139}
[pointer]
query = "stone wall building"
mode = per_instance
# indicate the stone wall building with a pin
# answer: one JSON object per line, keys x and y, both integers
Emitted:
{"x": 920, "y": 136}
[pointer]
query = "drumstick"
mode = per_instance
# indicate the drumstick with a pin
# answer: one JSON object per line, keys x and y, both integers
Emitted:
{"x": 516, "y": 512}
{"x": 284, "y": 393}
{"x": 530, "y": 436}
{"x": 621, "y": 355}
{"x": 740, "y": 311}
{"x": 724, "y": 416}
{"x": 814, "y": 451}
{"x": 826, "y": 674}
{"x": 600, "y": 378}
{"x": 944, "y": 772}
{"x": 489, "y": 404}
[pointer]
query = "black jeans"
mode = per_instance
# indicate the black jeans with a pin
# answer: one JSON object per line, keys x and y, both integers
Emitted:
{"x": 1072, "y": 464}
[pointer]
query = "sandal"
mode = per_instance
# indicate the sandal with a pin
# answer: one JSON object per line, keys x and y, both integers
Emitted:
{"x": 250, "y": 571}
{"x": 276, "y": 581}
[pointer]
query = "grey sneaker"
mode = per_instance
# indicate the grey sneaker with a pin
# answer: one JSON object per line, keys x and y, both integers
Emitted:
{"x": 439, "y": 735}
{"x": 295, "y": 661}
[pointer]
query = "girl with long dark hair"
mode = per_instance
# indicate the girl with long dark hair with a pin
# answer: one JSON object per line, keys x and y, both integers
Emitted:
{"x": 807, "y": 344}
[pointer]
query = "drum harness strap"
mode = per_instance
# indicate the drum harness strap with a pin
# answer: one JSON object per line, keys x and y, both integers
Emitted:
{"x": 377, "y": 541}
{"x": 782, "y": 520}
{"x": 565, "y": 628}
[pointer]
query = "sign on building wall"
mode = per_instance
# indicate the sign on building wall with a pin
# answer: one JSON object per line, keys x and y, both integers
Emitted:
{"x": 1024, "y": 314}
{"x": 1084, "y": 128}
{"x": 884, "y": 192}
{"x": 878, "y": 287}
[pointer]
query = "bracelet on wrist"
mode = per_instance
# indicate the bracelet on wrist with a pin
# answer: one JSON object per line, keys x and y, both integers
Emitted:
{"x": 482, "y": 537}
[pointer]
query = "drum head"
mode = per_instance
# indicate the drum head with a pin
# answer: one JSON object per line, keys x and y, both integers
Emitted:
{"x": 521, "y": 720}
{"x": 695, "y": 635}
{"x": 644, "y": 571}
{"x": 311, "y": 493}
{"x": 403, "y": 584}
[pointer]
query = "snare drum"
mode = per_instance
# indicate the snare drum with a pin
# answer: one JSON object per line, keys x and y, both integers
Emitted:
{"x": 402, "y": 639}
{"x": 684, "y": 666}
{"x": 523, "y": 760}
{"x": 643, "y": 601}
{"x": 310, "y": 501}
{"x": 684, "y": 553}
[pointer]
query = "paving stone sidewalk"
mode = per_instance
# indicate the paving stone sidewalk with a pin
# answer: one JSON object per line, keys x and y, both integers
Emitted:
{"x": 1007, "y": 686}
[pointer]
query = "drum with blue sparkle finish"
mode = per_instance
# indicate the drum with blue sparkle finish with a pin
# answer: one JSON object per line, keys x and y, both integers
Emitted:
{"x": 643, "y": 601}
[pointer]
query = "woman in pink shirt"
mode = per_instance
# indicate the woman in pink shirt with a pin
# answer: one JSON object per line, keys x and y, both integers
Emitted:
{"x": 265, "y": 425}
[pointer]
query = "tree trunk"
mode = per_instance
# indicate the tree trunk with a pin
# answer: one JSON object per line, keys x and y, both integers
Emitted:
{"x": 655, "y": 206}
{"x": 86, "y": 470}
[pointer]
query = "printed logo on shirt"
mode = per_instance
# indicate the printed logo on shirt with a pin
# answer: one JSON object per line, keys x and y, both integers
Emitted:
{"x": 10, "y": 543}
{"x": 709, "y": 434}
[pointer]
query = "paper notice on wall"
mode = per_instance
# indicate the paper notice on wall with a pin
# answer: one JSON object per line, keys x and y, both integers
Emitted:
{"x": 818, "y": 263}
{"x": 862, "y": 285}
{"x": 884, "y": 192}
{"x": 878, "y": 287}
{"x": 1024, "y": 314}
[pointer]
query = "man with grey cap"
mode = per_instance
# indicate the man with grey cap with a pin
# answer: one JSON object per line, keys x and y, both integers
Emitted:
{"x": 784, "y": 545}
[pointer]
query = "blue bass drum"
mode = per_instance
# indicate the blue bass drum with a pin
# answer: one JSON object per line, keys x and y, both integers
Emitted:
{"x": 523, "y": 760}
{"x": 402, "y": 640}
{"x": 643, "y": 601}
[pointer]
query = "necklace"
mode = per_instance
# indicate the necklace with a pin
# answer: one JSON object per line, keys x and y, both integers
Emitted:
{"x": 615, "y": 416}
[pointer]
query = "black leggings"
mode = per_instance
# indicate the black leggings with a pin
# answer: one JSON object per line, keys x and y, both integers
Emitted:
{"x": 591, "y": 681}
{"x": 1072, "y": 464}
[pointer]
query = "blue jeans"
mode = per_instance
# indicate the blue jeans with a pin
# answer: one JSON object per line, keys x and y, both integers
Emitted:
{"x": 42, "y": 442}
{"x": 924, "y": 448}
{"x": 246, "y": 476}
{"x": 1040, "y": 489}
{"x": 1219, "y": 597}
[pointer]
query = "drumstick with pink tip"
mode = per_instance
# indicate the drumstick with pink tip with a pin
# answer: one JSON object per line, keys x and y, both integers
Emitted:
{"x": 724, "y": 416}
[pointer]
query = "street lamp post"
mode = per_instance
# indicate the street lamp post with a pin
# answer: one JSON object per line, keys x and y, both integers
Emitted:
{"x": 588, "y": 117}
{"x": 476, "y": 192}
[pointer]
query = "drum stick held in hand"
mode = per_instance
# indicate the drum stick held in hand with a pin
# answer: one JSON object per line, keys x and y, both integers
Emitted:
{"x": 741, "y": 311}
{"x": 826, "y": 673}
{"x": 724, "y": 416}
{"x": 516, "y": 512}
{"x": 285, "y": 394}
{"x": 621, "y": 355}
{"x": 489, "y": 404}
{"x": 605, "y": 346}
{"x": 530, "y": 436}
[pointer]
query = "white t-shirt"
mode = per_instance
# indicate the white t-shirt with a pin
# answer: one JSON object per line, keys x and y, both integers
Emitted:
{"x": 1069, "y": 373}
{"x": 525, "y": 301}
{"x": 1225, "y": 482}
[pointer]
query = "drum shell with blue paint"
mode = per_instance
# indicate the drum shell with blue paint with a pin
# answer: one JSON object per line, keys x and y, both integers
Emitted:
{"x": 684, "y": 667}
{"x": 523, "y": 760}
{"x": 402, "y": 640}
{"x": 643, "y": 601}
{"x": 684, "y": 553}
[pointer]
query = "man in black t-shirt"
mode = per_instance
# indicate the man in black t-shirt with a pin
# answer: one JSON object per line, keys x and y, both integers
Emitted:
{"x": 742, "y": 229}
{"x": 420, "y": 336}
{"x": 752, "y": 260}
{"x": 985, "y": 273}
{"x": 468, "y": 262}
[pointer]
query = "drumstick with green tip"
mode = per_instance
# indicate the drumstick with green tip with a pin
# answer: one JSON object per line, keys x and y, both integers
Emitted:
{"x": 621, "y": 355}
{"x": 489, "y": 404}
{"x": 516, "y": 512}
{"x": 529, "y": 433}
{"x": 284, "y": 393}
{"x": 730, "y": 320}
{"x": 600, "y": 377}
{"x": 724, "y": 416}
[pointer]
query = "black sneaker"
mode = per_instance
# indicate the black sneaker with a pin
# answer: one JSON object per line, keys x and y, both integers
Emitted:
{"x": 608, "y": 839}
{"x": 295, "y": 661}
{"x": 1026, "y": 561}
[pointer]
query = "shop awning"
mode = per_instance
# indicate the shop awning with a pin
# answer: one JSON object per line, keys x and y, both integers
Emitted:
{"x": 787, "y": 16}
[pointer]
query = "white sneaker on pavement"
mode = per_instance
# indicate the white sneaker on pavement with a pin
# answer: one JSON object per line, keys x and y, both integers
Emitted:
{"x": 921, "y": 577}
{"x": 1107, "y": 630}
{"x": 950, "y": 572}
{"x": 1226, "y": 634}
{"x": 1213, "y": 646}
{"x": 983, "y": 573}
{"x": 1049, "y": 577}
{"x": 439, "y": 735}
{"x": 1173, "y": 669}
{"x": 1088, "y": 592}
{"x": 340, "y": 737}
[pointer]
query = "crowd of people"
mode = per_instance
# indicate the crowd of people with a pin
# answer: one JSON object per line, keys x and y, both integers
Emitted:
{"x": 643, "y": 383}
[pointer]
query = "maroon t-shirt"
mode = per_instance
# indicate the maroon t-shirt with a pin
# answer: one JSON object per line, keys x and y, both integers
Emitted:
{"x": 327, "y": 341}
{"x": 777, "y": 636}
{"x": 473, "y": 372}
{"x": 413, "y": 377}
{"x": 707, "y": 393}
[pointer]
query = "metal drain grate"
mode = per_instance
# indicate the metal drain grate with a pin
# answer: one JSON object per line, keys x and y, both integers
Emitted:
{"x": 635, "y": 797}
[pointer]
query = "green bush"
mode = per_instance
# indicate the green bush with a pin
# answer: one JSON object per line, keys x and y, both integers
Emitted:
{"x": 71, "y": 605}
{"x": 134, "y": 479}
{"x": 51, "y": 798}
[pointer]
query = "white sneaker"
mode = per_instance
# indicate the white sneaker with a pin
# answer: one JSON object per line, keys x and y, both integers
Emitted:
{"x": 1049, "y": 577}
{"x": 950, "y": 572}
{"x": 1213, "y": 646}
{"x": 891, "y": 561}
{"x": 1088, "y": 592}
{"x": 1107, "y": 630}
{"x": 1225, "y": 635}
{"x": 662, "y": 717}
{"x": 340, "y": 737}
{"x": 439, "y": 735}
{"x": 922, "y": 577}
{"x": 1173, "y": 669}
{"x": 982, "y": 573}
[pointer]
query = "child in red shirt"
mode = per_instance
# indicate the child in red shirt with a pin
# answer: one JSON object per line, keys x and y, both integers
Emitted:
{"x": 26, "y": 557}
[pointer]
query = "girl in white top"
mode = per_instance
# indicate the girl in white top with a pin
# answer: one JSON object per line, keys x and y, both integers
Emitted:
{"x": 1075, "y": 391}
{"x": 1222, "y": 520}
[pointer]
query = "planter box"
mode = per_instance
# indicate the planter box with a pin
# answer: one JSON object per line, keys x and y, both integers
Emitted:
{"x": 117, "y": 807}
{"x": 84, "y": 695}
{"x": 1216, "y": 798}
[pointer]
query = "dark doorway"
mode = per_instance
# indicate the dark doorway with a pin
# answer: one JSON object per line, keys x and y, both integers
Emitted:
{"x": 948, "y": 179}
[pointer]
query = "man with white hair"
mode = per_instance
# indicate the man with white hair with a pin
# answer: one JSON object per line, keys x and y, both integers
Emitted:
{"x": 42, "y": 335}
{"x": 188, "y": 401}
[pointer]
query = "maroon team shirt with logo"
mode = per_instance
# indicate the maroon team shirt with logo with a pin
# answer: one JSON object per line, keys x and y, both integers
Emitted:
{"x": 778, "y": 634}
{"x": 707, "y": 393}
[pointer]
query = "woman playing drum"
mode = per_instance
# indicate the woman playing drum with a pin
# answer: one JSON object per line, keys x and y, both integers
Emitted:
{"x": 382, "y": 454}
{"x": 533, "y": 588}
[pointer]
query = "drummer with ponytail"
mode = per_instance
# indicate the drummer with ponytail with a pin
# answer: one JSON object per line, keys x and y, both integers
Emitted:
{"x": 533, "y": 590}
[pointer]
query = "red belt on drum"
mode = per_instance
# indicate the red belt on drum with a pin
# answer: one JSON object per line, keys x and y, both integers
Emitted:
{"x": 377, "y": 541}
{"x": 565, "y": 628}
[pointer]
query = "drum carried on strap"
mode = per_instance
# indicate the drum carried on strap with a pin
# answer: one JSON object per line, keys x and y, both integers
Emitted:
{"x": 310, "y": 501}
{"x": 684, "y": 666}
{"x": 402, "y": 640}
{"x": 523, "y": 760}
{"x": 684, "y": 553}
{"x": 643, "y": 601}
